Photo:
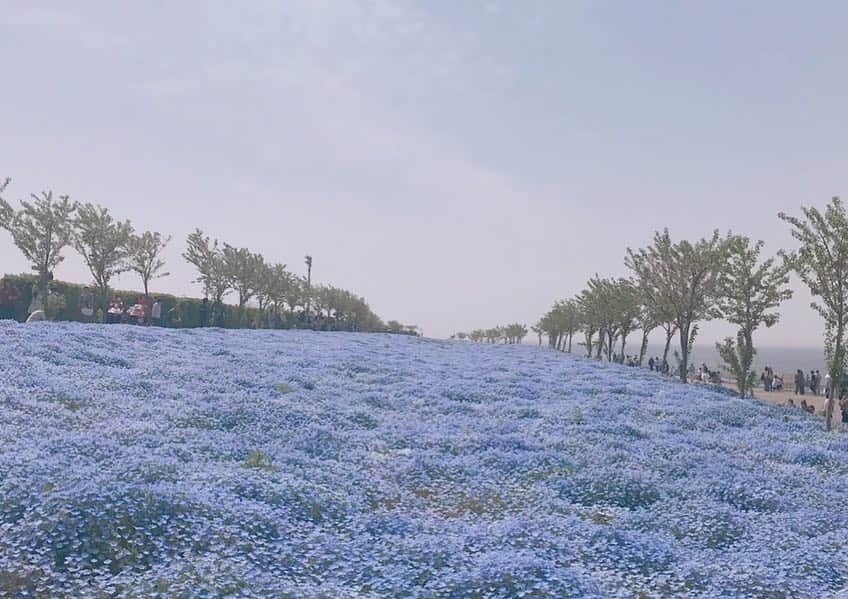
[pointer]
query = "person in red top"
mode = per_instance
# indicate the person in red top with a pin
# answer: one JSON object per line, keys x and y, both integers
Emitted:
{"x": 9, "y": 296}
{"x": 143, "y": 311}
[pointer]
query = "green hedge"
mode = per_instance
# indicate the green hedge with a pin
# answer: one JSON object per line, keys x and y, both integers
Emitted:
{"x": 190, "y": 307}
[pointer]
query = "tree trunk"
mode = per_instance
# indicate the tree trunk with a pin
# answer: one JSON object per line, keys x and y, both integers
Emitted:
{"x": 623, "y": 341}
{"x": 684, "y": 354}
{"x": 104, "y": 300}
{"x": 43, "y": 287}
{"x": 668, "y": 337}
{"x": 643, "y": 349}
{"x": 570, "y": 335}
{"x": 836, "y": 372}
{"x": 746, "y": 363}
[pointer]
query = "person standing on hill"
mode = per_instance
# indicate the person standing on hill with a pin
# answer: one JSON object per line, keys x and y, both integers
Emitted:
{"x": 651, "y": 364}
{"x": 156, "y": 312}
{"x": 86, "y": 304}
{"x": 35, "y": 305}
{"x": 144, "y": 302}
{"x": 829, "y": 406}
{"x": 799, "y": 382}
{"x": 9, "y": 296}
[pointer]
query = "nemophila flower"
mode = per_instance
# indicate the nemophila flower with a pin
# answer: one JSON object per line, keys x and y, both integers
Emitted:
{"x": 151, "y": 462}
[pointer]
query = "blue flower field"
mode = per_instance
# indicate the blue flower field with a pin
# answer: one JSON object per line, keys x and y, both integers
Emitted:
{"x": 150, "y": 462}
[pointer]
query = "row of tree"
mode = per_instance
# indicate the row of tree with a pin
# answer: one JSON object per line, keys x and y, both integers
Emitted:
{"x": 224, "y": 269}
{"x": 45, "y": 225}
{"x": 511, "y": 333}
{"x": 675, "y": 285}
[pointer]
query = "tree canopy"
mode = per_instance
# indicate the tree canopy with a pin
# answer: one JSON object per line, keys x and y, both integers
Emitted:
{"x": 748, "y": 295}
{"x": 821, "y": 261}
{"x": 41, "y": 229}
{"x": 103, "y": 243}
{"x": 683, "y": 279}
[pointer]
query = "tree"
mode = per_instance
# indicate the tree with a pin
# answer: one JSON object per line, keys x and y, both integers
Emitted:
{"x": 537, "y": 328}
{"x": 683, "y": 278}
{"x": 103, "y": 243}
{"x": 821, "y": 262}
{"x": 514, "y": 333}
{"x": 647, "y": 322}
{"x": 243, "y": 268}
{"x": 209, "y": 262}
{"x": 589, "y": 321}
{"x": 494, "y": 334}
{"x": 748, "y": 295}
{"x": 271, "y": 288}
{"x": 627, "y": 308}
{"x": 41, "y": 229}
{"x": 560, "y": 324}
{"x": 6, "y": 212}
{"x": 144, "y": 252}
{"x": 613, "y": 305}
{"x": 655, "y": 311}
{"x": 295, "y": 293}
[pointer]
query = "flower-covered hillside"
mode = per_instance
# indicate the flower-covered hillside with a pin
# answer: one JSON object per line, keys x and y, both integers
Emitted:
{"x": 138, "y": 461}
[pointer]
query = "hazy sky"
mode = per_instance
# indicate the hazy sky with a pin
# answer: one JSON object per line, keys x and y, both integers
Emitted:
{"x": 459, "y": 164}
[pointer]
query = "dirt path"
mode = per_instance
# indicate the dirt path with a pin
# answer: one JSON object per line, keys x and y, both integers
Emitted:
{"x": 783, "y": 397}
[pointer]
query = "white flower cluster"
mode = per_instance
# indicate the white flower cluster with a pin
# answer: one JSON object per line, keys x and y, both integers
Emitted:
{"x": 154, "y": 462}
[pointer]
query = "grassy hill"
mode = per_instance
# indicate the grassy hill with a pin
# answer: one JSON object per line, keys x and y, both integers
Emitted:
{"x": 136, "y": 461}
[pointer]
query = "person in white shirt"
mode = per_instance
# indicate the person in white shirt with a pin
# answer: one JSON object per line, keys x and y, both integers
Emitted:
{"x": 156, "y": 312}
{"x": 35, "y": 305}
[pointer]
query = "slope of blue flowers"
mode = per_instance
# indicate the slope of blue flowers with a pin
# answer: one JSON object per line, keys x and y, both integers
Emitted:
{"x": 151, "y": 462}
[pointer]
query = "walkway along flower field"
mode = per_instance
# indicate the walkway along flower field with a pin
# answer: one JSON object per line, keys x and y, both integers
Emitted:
{"x": 138, "y": 461}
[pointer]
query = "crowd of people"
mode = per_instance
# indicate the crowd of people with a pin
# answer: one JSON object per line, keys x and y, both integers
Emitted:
{"x": 770, "y": 380}
{"x": 804, "y": 382}
{"x": 142, "y": 311}
{"x": 703, "y": 374}
{"x": 812, "y": 382}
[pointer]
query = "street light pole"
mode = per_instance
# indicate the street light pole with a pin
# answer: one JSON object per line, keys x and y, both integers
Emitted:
{"x": 308, "y": 260}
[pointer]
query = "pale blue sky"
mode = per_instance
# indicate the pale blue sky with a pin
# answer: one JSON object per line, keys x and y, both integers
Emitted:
{"x": 460, "y": 164}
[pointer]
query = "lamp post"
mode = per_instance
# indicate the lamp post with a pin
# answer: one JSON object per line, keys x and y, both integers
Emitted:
{"x": 308, "y": 260}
